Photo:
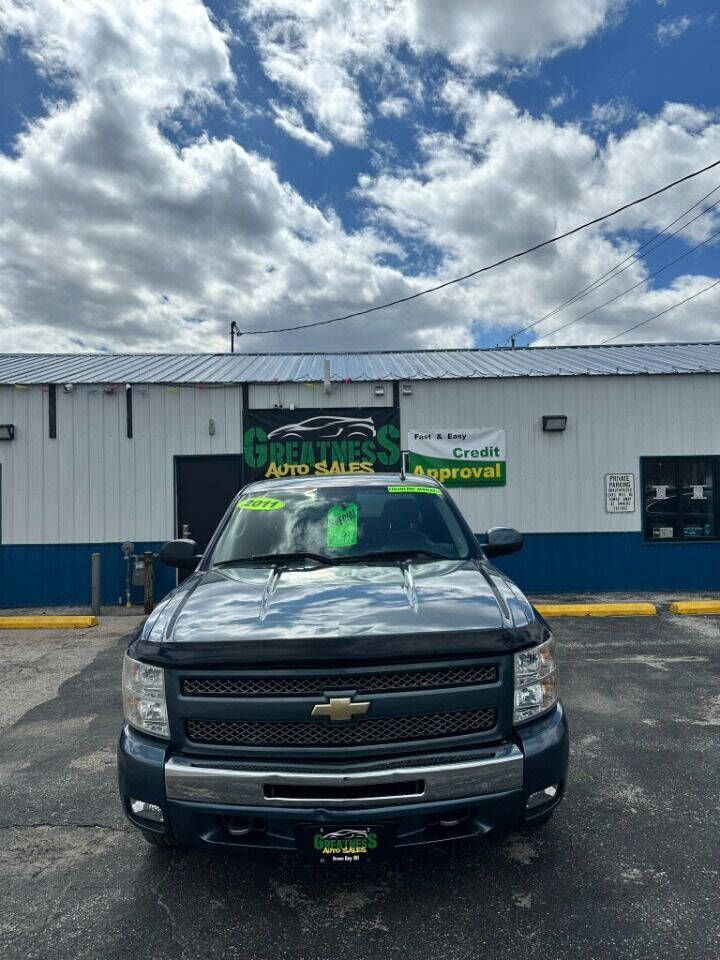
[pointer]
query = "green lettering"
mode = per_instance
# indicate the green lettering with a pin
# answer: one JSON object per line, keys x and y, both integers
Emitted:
{"x": 255, "y": 447}
{"x": 388, "y": 438}
{"x": 277, "y": 451}
{"x": 368, "y": 450}
{"x": 340, "y": 451}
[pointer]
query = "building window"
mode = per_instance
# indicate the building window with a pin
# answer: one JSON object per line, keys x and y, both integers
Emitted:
{"x": 679, "y": 501}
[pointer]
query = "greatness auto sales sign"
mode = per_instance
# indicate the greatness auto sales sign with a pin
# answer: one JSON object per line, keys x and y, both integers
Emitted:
{"x": 291, "y": 443}
{"x": 459, "y": 458}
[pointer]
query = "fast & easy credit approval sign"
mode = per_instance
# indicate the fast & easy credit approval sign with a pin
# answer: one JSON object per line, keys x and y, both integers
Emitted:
{"x": 459, "y": 458}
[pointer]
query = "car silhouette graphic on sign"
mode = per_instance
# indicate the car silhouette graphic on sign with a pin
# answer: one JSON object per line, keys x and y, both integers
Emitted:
{"x": 325, "y": 427}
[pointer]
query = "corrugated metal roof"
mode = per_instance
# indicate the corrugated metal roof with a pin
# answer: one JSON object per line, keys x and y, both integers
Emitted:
{"x": 390, "y": 365}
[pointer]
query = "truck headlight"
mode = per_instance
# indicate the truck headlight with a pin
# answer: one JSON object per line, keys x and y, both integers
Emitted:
{"x": 144, "y": 697}
{"x": 536, "y": 681}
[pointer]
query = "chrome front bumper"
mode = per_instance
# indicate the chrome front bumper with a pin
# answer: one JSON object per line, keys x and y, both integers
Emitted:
{"x": 498, "y": 771}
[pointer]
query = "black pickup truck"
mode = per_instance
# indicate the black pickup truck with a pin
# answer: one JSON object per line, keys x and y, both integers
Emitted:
{"x": 343, "y": 673}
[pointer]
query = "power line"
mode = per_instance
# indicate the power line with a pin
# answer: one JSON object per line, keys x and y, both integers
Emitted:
{"x": 490, "y": 266}
{"x": 627, "y": 290}
{"x": 661, "y": 314}
{"x": 615, "y": 271}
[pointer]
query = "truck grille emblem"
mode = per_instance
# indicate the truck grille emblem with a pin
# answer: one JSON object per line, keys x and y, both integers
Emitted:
{"x": 340, "y": 708}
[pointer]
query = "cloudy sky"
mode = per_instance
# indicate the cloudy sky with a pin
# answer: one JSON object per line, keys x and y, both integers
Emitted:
{"x": 167, "y": 166}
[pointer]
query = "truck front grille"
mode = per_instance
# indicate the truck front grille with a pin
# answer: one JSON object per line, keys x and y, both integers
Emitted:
{"x": 311, "y": 733}
{"x": 268, "y": 686}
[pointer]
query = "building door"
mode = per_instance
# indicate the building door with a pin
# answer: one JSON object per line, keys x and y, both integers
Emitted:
{"x": 204, "y": 486}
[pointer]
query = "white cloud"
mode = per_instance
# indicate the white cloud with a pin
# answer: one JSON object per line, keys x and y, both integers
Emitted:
{"x": 319, "y": 49}
{"x": 115, "y": 236}
{"x": 291, "y": 121}
{"x": 112, "y": 236}
{"x": 668, "y": 30}
{"x": 393, "y": 106}
{"x": 612, "y": 113}
{"x": 512, "y": 179}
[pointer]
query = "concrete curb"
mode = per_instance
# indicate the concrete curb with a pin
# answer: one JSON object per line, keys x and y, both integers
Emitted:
{"x": 46, "y": 622}
{"x": 596, "y": 609}
{"x": 695, "y": 606}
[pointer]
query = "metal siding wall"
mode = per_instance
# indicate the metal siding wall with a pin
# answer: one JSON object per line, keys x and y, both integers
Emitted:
{"x": 263, "y": 396}
{"x": 556, "y": 481}
{"x": 93, "y": 484}
{"x": 92, "y": 487}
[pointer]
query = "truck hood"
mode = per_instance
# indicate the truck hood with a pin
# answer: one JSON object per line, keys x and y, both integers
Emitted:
{"x": 342, "y": 612}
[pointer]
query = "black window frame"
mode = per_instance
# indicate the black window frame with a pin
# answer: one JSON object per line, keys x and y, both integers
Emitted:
{"x": 677, "y": 460}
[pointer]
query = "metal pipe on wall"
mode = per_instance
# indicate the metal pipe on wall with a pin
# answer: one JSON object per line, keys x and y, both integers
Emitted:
{"x": 95, "y": 580}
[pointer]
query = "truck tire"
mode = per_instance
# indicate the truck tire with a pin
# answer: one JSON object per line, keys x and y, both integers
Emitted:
{"x": 158, "y": 839}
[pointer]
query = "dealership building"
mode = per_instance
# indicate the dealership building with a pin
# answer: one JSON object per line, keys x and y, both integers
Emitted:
{"x": 607, "y": 459}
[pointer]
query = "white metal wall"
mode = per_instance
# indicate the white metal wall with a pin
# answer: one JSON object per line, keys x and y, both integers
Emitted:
{"x": 555, "y": 481}
{"x": 266, "y": 395}
{"x": 92, "y": 484}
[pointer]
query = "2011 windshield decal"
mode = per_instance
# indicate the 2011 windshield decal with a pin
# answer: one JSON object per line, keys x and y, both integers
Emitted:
{"x": 260, "y": 503}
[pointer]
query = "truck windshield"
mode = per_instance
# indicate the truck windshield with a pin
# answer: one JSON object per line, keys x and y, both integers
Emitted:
{"x": 341, "y": 524}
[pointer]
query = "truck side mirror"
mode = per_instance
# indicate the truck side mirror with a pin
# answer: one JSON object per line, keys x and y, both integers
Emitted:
{"x": 179, "y": 553}
{"x": 500, "y": 540}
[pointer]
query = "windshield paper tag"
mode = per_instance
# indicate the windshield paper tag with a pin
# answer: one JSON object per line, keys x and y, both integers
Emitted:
{"x": 415, "y": 489}
{"x": 342, "y": 525}
{"x": 260, "y": 503}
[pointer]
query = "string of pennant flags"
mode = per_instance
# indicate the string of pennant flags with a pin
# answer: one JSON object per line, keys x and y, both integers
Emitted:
{"x": 112, "y": 388}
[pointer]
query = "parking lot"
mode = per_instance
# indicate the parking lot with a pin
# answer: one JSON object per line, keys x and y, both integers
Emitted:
{"x": 627, "y": 868}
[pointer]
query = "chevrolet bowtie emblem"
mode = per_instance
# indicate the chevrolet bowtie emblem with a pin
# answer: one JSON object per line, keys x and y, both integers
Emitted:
{"x": 340, "y": 708}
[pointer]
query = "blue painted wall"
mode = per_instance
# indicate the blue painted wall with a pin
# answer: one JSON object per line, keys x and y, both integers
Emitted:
{"x": 33, "y": 575}
{"x": 587, "y": 562}
{"x": 38, "y": 575}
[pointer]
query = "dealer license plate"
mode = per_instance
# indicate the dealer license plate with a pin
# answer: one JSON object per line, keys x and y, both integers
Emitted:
{"x": 332, "y": 844}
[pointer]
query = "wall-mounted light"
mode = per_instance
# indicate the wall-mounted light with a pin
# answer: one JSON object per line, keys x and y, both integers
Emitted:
{"x": 68, "y": 387}
{"x": 211, "y": 427}
{"x": 7, "y": 431}
{"x": 406, "y": 389}
{"x": 554, "y": 423}
{"x": 379, "y": 390}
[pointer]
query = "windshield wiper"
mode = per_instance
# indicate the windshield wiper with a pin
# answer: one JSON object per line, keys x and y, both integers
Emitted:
{"x": 409, "y": 554}
{"x": 261, "y": 558}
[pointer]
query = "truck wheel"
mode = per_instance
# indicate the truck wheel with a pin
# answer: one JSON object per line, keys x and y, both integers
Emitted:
{"x": 158, "y": 839}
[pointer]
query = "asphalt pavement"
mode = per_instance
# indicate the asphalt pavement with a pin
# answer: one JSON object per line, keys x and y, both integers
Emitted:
{"x": 628, "y": 867}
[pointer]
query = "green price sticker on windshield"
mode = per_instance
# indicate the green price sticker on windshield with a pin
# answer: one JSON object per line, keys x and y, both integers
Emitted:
{"x": 415, "y": 488}
{"x": 260, "y": 503}
{"x": 342, "y": 525}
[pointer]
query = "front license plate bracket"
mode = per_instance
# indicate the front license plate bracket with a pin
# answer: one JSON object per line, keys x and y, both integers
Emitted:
{"x": 330, "y": 844}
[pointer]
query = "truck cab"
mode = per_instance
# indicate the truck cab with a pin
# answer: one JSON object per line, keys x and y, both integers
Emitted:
{"x": 343, "y": 673}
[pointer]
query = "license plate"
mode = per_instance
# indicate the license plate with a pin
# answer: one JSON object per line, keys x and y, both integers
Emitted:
{"x": 336, "y": 845}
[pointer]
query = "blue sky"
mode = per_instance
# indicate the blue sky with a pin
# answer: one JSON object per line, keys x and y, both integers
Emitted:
{"x": 167, "y": 167}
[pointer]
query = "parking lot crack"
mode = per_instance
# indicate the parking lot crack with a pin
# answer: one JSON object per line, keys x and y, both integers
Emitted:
{"x": 168, "y": 912}
{"x": 63, "y": 826}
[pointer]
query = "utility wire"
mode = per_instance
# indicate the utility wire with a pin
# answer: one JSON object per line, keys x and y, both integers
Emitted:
{"x": 615, "y": 271}
{"x": 661, "y": 314}
{"x": 582, "y": 316}
{"x": 489, "y": 266}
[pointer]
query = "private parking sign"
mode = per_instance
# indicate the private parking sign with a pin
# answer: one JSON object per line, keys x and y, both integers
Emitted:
{"x": 619, "y": 493}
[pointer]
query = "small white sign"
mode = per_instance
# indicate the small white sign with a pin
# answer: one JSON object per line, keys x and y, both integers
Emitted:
{"x": 619, "y": 493}
{"x": 663, "y": 533}
{"x": 698, "y": 492}
{"x": 661, "y": 492}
